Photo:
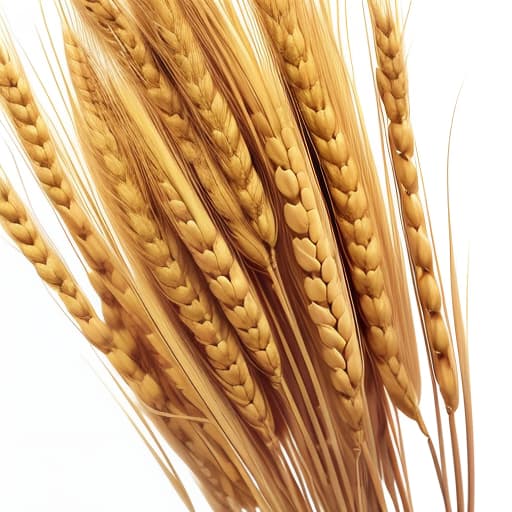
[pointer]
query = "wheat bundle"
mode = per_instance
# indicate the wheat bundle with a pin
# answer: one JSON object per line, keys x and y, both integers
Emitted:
{"x": 250, "y": 266}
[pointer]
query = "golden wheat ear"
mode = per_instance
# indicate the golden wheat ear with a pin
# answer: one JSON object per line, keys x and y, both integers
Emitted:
{"x": 177, "y": 279}
{"x": 51, "y": 269}
{"x": 121, "y": 34}
{"x": 392, "y": 85}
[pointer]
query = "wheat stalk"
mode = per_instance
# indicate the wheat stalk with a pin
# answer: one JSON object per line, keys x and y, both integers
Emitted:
{"x": 348, "y": 196}
{"x": 166, "y": 100}
{"x": 392, "y": 85}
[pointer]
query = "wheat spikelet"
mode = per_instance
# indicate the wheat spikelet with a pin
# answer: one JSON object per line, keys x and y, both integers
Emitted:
{"x": 53, "y": 272}
{"x": 164, "y": 97}
{"x": 177, "y": 279}
{"x": 392, "y": 85}
{"x": 349, "y": 198}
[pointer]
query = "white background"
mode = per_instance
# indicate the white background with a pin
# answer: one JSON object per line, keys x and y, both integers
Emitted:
{"x": 65, "y": 445}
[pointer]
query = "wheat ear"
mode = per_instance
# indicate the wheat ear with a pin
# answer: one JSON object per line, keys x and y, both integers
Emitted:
{"x": 181, "y": 53}
{"x": 106, "y": 278}
{"x": 328, "y": 303}
{"x": 349, "y": 198}
{"x": 391, "y": 76}
{"x": 226, "y": 278}
{"x": 53, "y": 272}
{"x": 166, "y": 100}
{"x": 168, "y": 262}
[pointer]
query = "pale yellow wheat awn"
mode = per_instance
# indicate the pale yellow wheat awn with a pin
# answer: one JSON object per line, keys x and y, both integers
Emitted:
{"x": 391, "y": 76}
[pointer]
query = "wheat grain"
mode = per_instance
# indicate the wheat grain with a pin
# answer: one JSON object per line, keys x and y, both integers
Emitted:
{"x": 164, "y": 97}
{"x": 348, "y": 195}
{"x": 393, "y": 89}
